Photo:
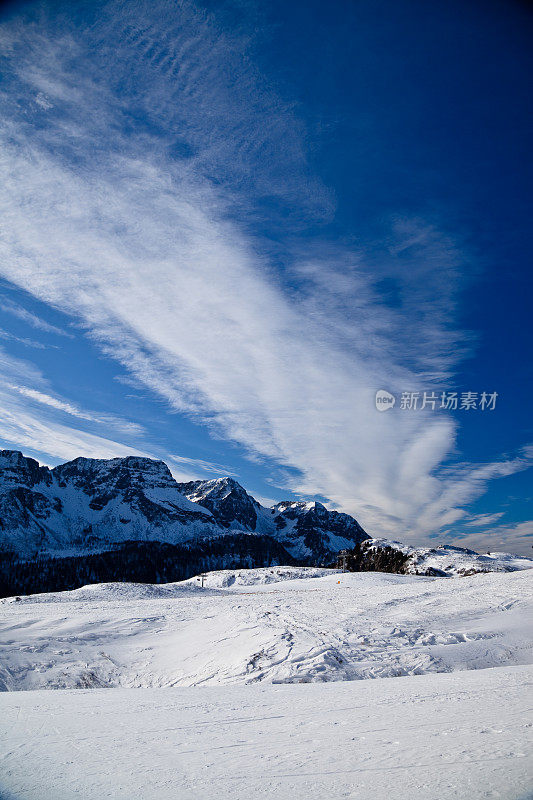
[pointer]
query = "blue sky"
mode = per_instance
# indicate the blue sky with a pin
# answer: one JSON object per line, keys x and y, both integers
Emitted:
{"x": 225, "y": 226}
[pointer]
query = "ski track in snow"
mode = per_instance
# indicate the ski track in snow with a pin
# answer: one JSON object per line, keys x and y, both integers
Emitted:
{"x": 280, "y": 625}
{"x": 433, "y": 737}
{"x": 456, "y": 724}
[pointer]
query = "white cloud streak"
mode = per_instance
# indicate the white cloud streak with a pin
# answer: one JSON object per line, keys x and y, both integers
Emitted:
{"x": 200, "y": 466}
{"x": 35, "y": 435}
{"x": 123, "y": 426}
{"x": 10, "y": 307}
{"x": 34, "y": 421}
{"x": 481, "y": 520}
{"x": 515, "y": 538}
{"x": 10, "y": 337}
{"x": 111, "y": 214}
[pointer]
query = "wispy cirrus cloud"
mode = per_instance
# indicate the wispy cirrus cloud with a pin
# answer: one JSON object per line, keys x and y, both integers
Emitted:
{"x": 123, "y": 426}
{"x": 16, "y": 310}
{"x": 34, "y": 434}
{"x": 135, "y": 202}
{"x": 481, "y": 520}
{"x": 37, "y": 422}
{"x": 11, "y": 337}
{"x": 513, "y": 537}
{"x": 201, "y": 466}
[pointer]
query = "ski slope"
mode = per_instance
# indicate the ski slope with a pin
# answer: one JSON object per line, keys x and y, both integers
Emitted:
{"x": 465, "y": 735}
{"x": 252, "y": 685}
{"x": 279, "y": 625}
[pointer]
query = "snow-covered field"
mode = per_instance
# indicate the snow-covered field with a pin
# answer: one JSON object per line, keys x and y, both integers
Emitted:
{"x": 463, "y": 735}
{"x": 282, "y": 625}
{"x": 456, "y": 727}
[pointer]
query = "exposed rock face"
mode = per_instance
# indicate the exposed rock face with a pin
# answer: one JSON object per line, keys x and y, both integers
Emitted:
{"x": 25, "y": 503}
{"x": 16, "y": 469}
{"x": 309, "y": 531}
{"x": 229, "y": 503}
{"x": 89, "y": 505}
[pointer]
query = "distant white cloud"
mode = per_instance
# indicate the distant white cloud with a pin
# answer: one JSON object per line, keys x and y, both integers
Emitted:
{"x": 10, "y": 337}
{"x": 124, "y": 426}
{"x": 42, "y": 430}
{"x": 34, "y": 435}
{"x": 134, "y": 212}
{"x": 10, "y": 307}
{"x": 481, "y": 520}
{"x": 514, "y": 538}
{"x": 198, "y": 467}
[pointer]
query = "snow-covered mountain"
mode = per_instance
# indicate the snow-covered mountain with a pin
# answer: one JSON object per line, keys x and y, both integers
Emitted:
{"x": 128, "y": 519}
{"x": 310, "y": 527}
{"x": 445, "y": 560}
{"x": 230, "y": 504}
{"x": 89, "y": 505}
{"x": 307, "y": 530}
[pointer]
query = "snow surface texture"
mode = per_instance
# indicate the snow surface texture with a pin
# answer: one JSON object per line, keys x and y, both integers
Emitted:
{"x": 308, "y": 727}
{"x": 437, "y": 737}
{"x": 451, "y": 560}
{"x": 434, "y": 737}
{"x": 282, "y": 625}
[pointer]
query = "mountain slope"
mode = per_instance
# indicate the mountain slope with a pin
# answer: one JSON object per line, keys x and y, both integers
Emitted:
{"x": 230, "y": 504}
{"x": 445, "y": 560}
{"x": 309, "y": 530}
{"x": 89, "y": 505}
{"x": 277, "y": 625}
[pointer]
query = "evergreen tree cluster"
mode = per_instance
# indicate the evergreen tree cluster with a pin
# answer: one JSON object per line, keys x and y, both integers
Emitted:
{"x": 365, "y": 558}
{"x": 139, "y": 562}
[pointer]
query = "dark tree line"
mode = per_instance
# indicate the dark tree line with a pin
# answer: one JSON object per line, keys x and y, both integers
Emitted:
{"x": 363, "y": 558}
{"x": 139, "y": 562}
{"x": 367, "y": 557}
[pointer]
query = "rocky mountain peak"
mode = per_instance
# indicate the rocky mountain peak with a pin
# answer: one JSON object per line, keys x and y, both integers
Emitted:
{"x": 228, "y": 501}
{"x": 92, "y": 503}
{"x": 296, "y": 508}
{"x": 17, "y": 469}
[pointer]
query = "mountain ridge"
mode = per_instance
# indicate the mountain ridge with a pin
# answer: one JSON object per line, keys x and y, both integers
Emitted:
{"x": 86, "y": 504}
{"x": 128, "y": 519}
